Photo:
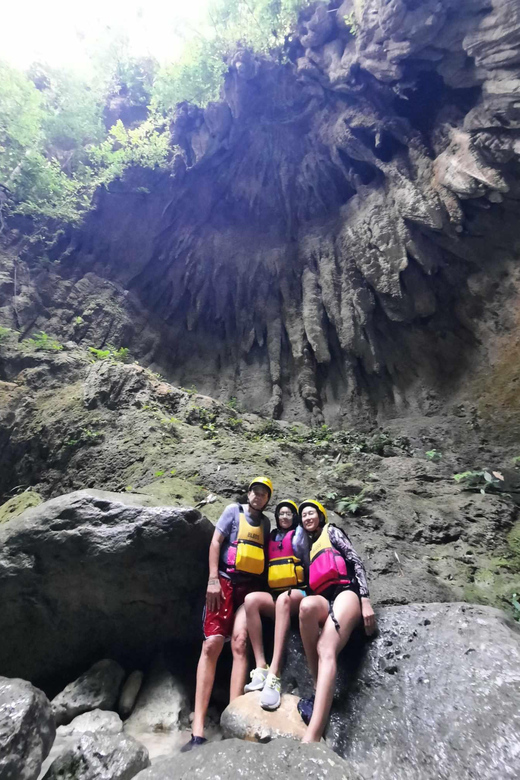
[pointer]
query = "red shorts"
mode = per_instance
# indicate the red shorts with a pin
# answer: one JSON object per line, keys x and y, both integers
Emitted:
{"x": 220, "y": 622}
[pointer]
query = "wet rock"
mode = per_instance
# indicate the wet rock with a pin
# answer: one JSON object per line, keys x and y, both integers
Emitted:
{"x": 245, "y": 719}
{"x": 435, "y": 695}
{"x": 94, "y": 722}
{"x": 100, "y": 757}
{"x": 161, "y": 702}
{"x": 72, "y": 556}
{"x": 97, "y": 688}
{"x": 129, "y": 694}
{"x": 227, "y": 760}
{"x": 26, "y": 729}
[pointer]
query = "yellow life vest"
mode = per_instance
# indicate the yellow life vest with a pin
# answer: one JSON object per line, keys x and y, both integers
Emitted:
{"x": 285, "y": 569}
{"x": 247, "y": 553}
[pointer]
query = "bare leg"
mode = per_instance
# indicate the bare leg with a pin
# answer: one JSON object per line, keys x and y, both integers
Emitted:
{"x": 314, "y": 611}
{"x": 211, "y": 650}
{"x": 257, "y": 604}
{"x": 239, "y": 650}
{"x": 347, "y": 611}
{"x": 286, "y": 605}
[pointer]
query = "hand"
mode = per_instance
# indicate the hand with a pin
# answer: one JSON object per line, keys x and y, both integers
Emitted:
{"x": 213, "y": 595}
{"x": 369, "y": 619}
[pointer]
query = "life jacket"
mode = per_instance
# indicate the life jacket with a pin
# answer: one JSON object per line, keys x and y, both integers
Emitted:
{"x": 285, "y": 569}
{"x": 327, "y": 565}
{"x": 247, "y": 553}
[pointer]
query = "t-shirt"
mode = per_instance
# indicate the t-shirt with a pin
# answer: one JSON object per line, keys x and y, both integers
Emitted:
{"x": 228, "y": 526}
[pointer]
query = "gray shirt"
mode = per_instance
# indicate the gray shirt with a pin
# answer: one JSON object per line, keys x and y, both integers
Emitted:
{"x": 228, "y": 527}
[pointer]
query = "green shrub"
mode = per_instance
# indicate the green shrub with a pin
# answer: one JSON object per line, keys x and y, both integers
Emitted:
{"x": 42, "y": 341}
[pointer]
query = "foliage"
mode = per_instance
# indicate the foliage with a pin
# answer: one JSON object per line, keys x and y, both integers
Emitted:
{"x": 42, "y": 341}
{"x": 120, "y": 355}
{"x": 5, "y": 332}
{"x": 353, "y": 504}
{"x": 351, "y": 23}
{"x": 480, "y": 480}
{"x": 434, "y": 455}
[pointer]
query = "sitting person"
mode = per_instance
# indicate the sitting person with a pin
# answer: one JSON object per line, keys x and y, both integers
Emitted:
{"x": 340, "y": 600}
{"x": 237, "y": 564}
{"x": 287, "y": 572}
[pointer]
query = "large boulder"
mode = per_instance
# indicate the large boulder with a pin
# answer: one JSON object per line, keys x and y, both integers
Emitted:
{"x": 244, "y": 718}
{"x": 435, "y": 695}
{"x": 95, "y": 722}
{"x": 90, "y": 574}
{"x": 97, "y": 688}
{"x": 100, "y": 757}
{"x": 26, "y": 730}
{"x": 281, "y": 758}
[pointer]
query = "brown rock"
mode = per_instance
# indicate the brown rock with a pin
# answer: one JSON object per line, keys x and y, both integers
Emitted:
{"x": 245, "y": 719}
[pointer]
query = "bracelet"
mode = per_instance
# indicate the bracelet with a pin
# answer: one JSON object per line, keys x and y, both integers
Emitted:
{"x": 213, "y": 581}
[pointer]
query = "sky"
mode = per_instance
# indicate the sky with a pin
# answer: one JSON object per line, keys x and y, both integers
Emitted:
{"x": 59, "y": 32}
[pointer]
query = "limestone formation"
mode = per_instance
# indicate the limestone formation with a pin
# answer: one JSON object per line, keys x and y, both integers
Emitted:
{"x": 129, "y": 694}
{"x": 97, "y": 688}
{"x": 26, "y": 729}
{"x": 100, "y": 757}
{"x": 91, "y": 558}
{"x": 245, "y": 719}
{"x": 161, "y": 702}
{"x": 366, "y": 182}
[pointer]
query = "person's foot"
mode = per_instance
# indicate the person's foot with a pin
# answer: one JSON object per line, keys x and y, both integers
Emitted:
{"x": 305, "y": 708}
{"x": 270, "y": 698}
{"x": 258, "y": 678}
{"x": 193, "y": 743}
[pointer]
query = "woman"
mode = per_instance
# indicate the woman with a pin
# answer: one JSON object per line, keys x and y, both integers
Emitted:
{"x": 337, "y": 580}
{"x": 288, "y": 566}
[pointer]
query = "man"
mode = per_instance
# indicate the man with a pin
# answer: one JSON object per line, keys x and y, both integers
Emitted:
{"x": 237, "y": 566}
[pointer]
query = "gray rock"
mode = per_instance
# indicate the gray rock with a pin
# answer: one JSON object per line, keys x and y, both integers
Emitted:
{"x": 94, "y": 722}
{"x": 129, "y": 694}
{"x": 435, "y": 695}
{"x": 100, "y": 757}
{"x": 98, "y": 688}
{"x": 160, "y": 703}
{"x": 26, "y": 729}
{"x": 118, "y": 575}
{"x": 281, "y": 758}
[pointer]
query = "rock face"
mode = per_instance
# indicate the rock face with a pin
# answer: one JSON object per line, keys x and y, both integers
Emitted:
{"x": 100, "y": 757}
{"x": 97, "y": 688}
{"x": 245, "y": 719}
{"x": 227, "y": 760}
{"x": 27, "y": 729}
{"x": 120, "y": 577}
{"x": 435, "y": 695}
{"x": 96, "y": 721}
{"x": 336, "y": 237}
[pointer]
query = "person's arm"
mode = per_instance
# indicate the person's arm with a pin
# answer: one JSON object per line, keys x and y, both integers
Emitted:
{"x": 343, "y": 544}
{"x": 302, "y": 549}
{"x": 213, "y": 592}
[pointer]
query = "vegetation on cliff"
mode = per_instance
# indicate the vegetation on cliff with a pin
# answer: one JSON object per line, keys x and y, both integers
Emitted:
{"x": 61, "y": 135}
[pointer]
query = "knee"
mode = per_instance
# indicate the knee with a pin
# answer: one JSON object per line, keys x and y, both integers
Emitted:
{"x": 283, "y": 602}
{"x": 307, "y": 611}
{"x": 239, "y": 645}
{"x": 212, "y": 647}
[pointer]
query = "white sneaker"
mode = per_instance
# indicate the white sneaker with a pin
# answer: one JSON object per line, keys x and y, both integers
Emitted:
{"x": 258, "y": 678}
{"x": 270, "y": 698}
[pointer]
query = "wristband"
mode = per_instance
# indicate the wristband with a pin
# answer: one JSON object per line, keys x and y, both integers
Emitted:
{"x": 213, "y": 581}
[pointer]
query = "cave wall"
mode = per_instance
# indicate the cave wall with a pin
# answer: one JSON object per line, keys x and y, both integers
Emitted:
{"x": 337, "y": 238}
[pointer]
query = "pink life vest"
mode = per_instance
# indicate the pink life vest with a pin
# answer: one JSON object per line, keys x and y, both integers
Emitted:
{"x": 285, "y": 569}
{"x": 327, "y": 565}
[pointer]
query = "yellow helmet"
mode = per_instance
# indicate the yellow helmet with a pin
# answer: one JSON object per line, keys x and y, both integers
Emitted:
{"x": 262, "y": 481}
{"x": 317, "y": 505}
